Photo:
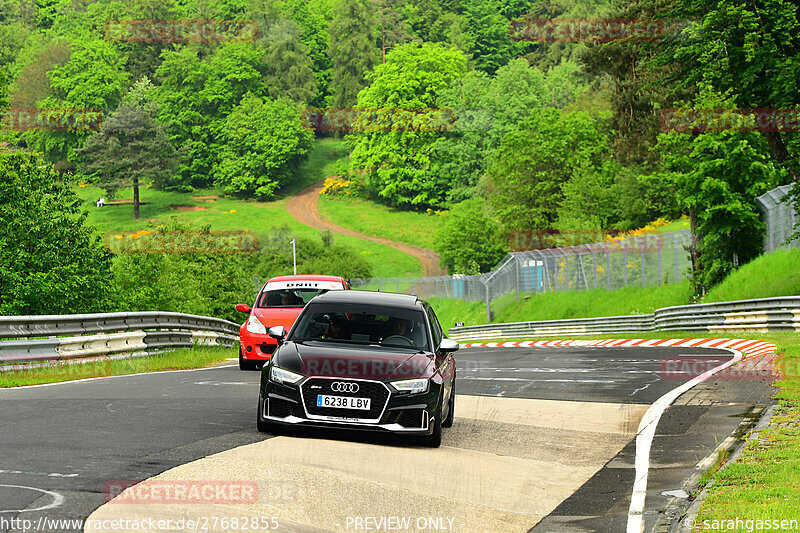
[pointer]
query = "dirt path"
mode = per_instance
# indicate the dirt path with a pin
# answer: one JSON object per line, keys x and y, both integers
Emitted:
{"x": 303, "y": 207}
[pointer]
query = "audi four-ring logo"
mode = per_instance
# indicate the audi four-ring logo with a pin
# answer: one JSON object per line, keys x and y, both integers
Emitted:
{"x": 340, "y": 386}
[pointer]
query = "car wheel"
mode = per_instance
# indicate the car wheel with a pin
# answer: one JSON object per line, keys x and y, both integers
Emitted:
{"x": 434, "y": 440}
{"x": 451, "y": 408}
{"x": 244, "y": 364}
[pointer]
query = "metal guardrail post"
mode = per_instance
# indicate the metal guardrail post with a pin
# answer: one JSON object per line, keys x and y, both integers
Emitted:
{"x": 677, "y": 264}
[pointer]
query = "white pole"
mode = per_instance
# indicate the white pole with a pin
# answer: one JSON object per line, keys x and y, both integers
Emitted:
{"x": 294, "y": 257}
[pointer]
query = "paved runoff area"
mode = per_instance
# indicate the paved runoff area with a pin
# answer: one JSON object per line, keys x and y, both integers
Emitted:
{"x": 543, "y": 440}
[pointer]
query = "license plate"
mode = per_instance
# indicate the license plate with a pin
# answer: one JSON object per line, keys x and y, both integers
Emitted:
{"x": 343, "y": 402}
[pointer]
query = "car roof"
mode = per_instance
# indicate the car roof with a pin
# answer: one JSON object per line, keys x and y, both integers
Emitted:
{"x": 369, "y": 298}
{"x": 307, "y": 277}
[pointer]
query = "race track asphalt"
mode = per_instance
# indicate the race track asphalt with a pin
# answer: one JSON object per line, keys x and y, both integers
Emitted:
{"x": 543, "y": 439}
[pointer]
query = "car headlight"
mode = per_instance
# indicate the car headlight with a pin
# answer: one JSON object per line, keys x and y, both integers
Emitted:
{"x": 254, "y": 325}
{"x": 411, "y": 386}
{"x": 279, "y": 375}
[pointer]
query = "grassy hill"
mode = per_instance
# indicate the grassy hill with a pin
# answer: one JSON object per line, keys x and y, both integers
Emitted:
{"x": 769, "y": 275}
{"x": 211, "y": 207}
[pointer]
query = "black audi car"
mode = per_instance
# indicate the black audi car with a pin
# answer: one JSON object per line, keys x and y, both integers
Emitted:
{"x": 362, "y": 360}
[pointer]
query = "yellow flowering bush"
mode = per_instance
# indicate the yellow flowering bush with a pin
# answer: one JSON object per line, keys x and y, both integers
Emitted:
{"x": 335, "y": 185}
{"x": 616, "y": 240}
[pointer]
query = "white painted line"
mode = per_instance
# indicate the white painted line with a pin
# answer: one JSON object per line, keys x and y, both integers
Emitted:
{"x": 58, "y": 499}
{"x": 112, "y": 377}
{"x": 644, "y": 441}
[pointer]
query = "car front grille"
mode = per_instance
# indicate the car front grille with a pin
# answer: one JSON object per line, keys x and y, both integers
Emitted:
{"x": 375, "y": 391}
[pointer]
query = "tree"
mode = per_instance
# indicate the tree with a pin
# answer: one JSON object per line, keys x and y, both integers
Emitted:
{"x": 469, "y": 241}
{"x": 289, "y": 70}
{"x": 717, "y": 176}
{"x": 195, "y": 97}
{"x": 393, "y": 29}
{"x": 50, "y": 260}
{"x": 396, "y": 163}
{"x": 131, "y": 148}
{"x": 751, "y": 48}
{"x": 93, "y": 78}
{"x": 487, "y": 34}
{"x": 352, "y": 49}
{"x": 533, "y": 162}
{"x": 263, "y": 142}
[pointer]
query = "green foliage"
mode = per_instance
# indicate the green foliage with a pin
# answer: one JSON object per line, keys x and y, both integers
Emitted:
{"x": 468, "y": 240}
{"x": 488, "y": 108}
{"x": 716, "y": 176}
{"x": 201, "y": 284}
{"x": 487, "y": 35}
{"x": 352, "y": 49}
{"x": 197, "y": 94}
{"x": 131, "y": 148}
{"x": 264, "y": 141}
{"x": 212, "y": 284}
{"x": 289, "y": 69}
{"x": 325, "y": 256}
{"x": 396, "y": 163}
{"x": 50, "y": 261}
{"x": 93, "y": 78}
{"x": 534, "y": 162}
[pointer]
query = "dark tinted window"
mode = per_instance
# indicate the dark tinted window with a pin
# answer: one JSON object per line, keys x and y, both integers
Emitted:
{"x": 436, "y": 329}
{"x": 362, "y": 324}
{"x": 287, "y": 298}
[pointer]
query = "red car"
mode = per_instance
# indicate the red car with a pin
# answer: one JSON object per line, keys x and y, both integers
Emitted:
{"x": 278, "y": 303}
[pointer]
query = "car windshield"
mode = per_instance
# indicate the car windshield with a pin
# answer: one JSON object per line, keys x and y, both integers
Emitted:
{"x": 287, "y": 298}
{"x": 361, "y": 324}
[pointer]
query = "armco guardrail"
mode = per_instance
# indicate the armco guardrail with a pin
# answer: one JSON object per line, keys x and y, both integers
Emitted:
{"x": 766, "y": 314}
{"x": 53, "y": 337}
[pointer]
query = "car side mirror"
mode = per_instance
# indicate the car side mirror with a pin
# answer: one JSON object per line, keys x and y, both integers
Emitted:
{"x": 278, "y": 333}
{"x": 243, "y": 308}
{"x": 448, "y": 345}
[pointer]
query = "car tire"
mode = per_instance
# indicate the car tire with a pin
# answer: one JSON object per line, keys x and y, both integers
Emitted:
{"x": 434, "y": 440}
{"x": 451, "y": 408}
{"x": 244, "y": 364}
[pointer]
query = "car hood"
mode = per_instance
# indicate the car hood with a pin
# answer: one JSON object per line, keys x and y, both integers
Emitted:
{"x": 277, "y": 317}
{"x": 353, "y": 361}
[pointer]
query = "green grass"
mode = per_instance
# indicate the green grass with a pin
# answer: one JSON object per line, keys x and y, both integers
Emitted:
{"x": 591, "y": 303}
{"x": 371, "y": 218}
{"x": 321, "y": 163}
{"x": 198, "y": 357}
{"x": 774, "y": 274}
{"x": 231, "y": 214}
{"x": 449, "y": 311}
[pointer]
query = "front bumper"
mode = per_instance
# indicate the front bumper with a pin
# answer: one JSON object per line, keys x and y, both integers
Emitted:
{"x": 256, "y": 347}
{"x": 292, "y": 405}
